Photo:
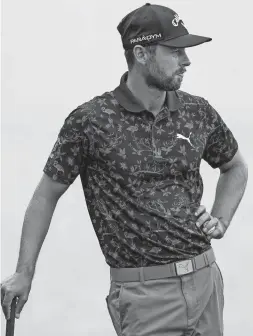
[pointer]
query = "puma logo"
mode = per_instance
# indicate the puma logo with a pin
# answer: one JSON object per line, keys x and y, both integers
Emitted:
{"x": 180, "y": 136}
{"x": 185, "y": 266}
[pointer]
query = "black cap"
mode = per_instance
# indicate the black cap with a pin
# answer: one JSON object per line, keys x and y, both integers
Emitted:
{"x": 155, "y": 24}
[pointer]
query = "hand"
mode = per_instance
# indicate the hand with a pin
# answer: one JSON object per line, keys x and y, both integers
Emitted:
{"x": 211, "y": 226}
{"x": 18, "y": 285}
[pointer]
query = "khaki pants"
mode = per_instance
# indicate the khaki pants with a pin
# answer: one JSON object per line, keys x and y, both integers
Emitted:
{"x": 187, "y": 305}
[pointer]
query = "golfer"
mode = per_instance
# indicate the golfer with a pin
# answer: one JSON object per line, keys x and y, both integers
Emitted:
{"x": 138, "y": 151}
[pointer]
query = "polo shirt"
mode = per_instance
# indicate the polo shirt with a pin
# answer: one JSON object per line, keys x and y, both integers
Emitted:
{"x": 141, "y": 173}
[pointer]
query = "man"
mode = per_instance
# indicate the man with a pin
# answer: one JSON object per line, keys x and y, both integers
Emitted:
{"x": 138, "y": 151}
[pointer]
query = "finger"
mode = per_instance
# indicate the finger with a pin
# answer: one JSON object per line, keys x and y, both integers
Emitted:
{"x": 213, "y": 235}
{"x": 210, "y": 231}
{"x": 217, "y": 233}
{"x": 200, "y": 210}
{"x": 20, "y": 305}
{"x": 210, "y": 224}
{"x": 202, "y": 219}
{"x": 6, "y": 305}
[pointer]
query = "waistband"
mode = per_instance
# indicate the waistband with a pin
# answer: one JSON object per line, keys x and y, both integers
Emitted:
{"x": 163, "y": 271}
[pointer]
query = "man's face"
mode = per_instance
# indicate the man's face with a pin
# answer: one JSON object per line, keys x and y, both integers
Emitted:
{"x": 164, "y": 70}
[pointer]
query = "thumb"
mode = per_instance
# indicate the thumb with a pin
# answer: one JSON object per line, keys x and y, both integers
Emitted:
{"x": 20, "y": 304}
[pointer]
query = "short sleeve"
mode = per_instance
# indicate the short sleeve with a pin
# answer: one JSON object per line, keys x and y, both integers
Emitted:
{"x": 221, "y": 146}
{"x": 71, "y": 149}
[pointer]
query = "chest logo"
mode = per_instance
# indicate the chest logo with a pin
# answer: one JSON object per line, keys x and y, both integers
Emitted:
{"x": 180, "y": 136}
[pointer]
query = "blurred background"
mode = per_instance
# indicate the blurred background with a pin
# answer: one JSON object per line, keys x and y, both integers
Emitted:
{"x": 55, "y": 56}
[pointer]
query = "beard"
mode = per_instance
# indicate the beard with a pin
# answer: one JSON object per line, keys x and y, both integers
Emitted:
{"x": 156, "y": 78}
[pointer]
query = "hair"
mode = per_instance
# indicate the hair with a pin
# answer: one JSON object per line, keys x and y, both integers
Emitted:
{"x": 130, "y": 58}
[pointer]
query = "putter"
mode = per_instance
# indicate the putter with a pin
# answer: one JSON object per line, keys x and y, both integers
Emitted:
{"x": 10, "y": 324}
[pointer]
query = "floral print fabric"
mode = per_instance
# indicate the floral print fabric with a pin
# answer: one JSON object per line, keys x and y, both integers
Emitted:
{"x": 141, "y": 173}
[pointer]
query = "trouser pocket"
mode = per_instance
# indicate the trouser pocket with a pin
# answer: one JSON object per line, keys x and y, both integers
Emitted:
{"x": 221, "y": 277}
{"x": 219, "y": 283}
{"x": 113, "y": 301}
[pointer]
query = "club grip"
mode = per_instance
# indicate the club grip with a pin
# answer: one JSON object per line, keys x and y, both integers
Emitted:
{"x": 10, "y": 324}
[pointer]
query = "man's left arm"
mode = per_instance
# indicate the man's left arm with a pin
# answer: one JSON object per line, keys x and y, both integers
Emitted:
{"x": 221, "y": 151}
{"x": 229, "y": 192}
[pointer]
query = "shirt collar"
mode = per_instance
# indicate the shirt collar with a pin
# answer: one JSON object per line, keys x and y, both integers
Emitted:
{"x": 126, "y": 99}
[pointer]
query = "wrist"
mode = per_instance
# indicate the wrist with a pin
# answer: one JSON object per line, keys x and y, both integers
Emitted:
{"x": 26, "y": 270}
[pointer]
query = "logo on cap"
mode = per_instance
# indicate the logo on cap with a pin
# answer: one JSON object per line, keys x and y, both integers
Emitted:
{"x": 147, "y": 38}
{"x": 176, "y": 20}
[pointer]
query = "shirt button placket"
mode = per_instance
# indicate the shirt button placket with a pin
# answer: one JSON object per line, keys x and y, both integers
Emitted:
{"x": 156, "y": 153}
{"x": 153, "y": 139}
{"x": 151, "y": 122}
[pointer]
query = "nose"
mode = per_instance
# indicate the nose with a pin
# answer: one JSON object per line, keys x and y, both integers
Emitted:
{"x": 185, "y": 59}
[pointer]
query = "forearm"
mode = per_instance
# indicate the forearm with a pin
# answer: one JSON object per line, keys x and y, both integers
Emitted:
{"x": 35, "y": 227}
{"x": 229, "y": 192}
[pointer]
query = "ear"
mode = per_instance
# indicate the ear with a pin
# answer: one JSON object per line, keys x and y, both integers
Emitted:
{"x": 140, "y": 54}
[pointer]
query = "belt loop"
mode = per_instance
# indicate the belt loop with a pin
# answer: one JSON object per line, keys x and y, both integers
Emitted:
{"x": 206, "y": 259}
{"x": 207, "y": 253}
{"x": 141, "y": 275}
{"x": 194, "y": 264}
{"x": 173, "y": 268}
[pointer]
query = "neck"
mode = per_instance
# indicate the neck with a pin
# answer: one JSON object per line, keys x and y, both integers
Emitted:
{"x": 151, "y": 99}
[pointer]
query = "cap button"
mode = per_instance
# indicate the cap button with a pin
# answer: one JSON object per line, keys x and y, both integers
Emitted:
{"x": 147, "y": 4}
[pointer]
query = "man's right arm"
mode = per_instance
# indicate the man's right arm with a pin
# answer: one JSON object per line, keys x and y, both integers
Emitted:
{"x": 64, "y": 164}
{"x": 67, "y": 159}
{"x": 37, "y": 221}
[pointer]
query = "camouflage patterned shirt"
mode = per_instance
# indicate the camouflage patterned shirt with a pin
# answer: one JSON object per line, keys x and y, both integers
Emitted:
{"x": 140, "y": 173}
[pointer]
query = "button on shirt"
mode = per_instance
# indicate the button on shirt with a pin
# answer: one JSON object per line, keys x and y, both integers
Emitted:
{"x": 140, "y": 173}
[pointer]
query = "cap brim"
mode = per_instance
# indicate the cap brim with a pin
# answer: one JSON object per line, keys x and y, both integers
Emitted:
{"x": 185, "y": 41}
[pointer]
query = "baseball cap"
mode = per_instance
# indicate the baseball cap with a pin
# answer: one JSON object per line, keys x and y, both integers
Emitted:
{"x": 155, "y": 24}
